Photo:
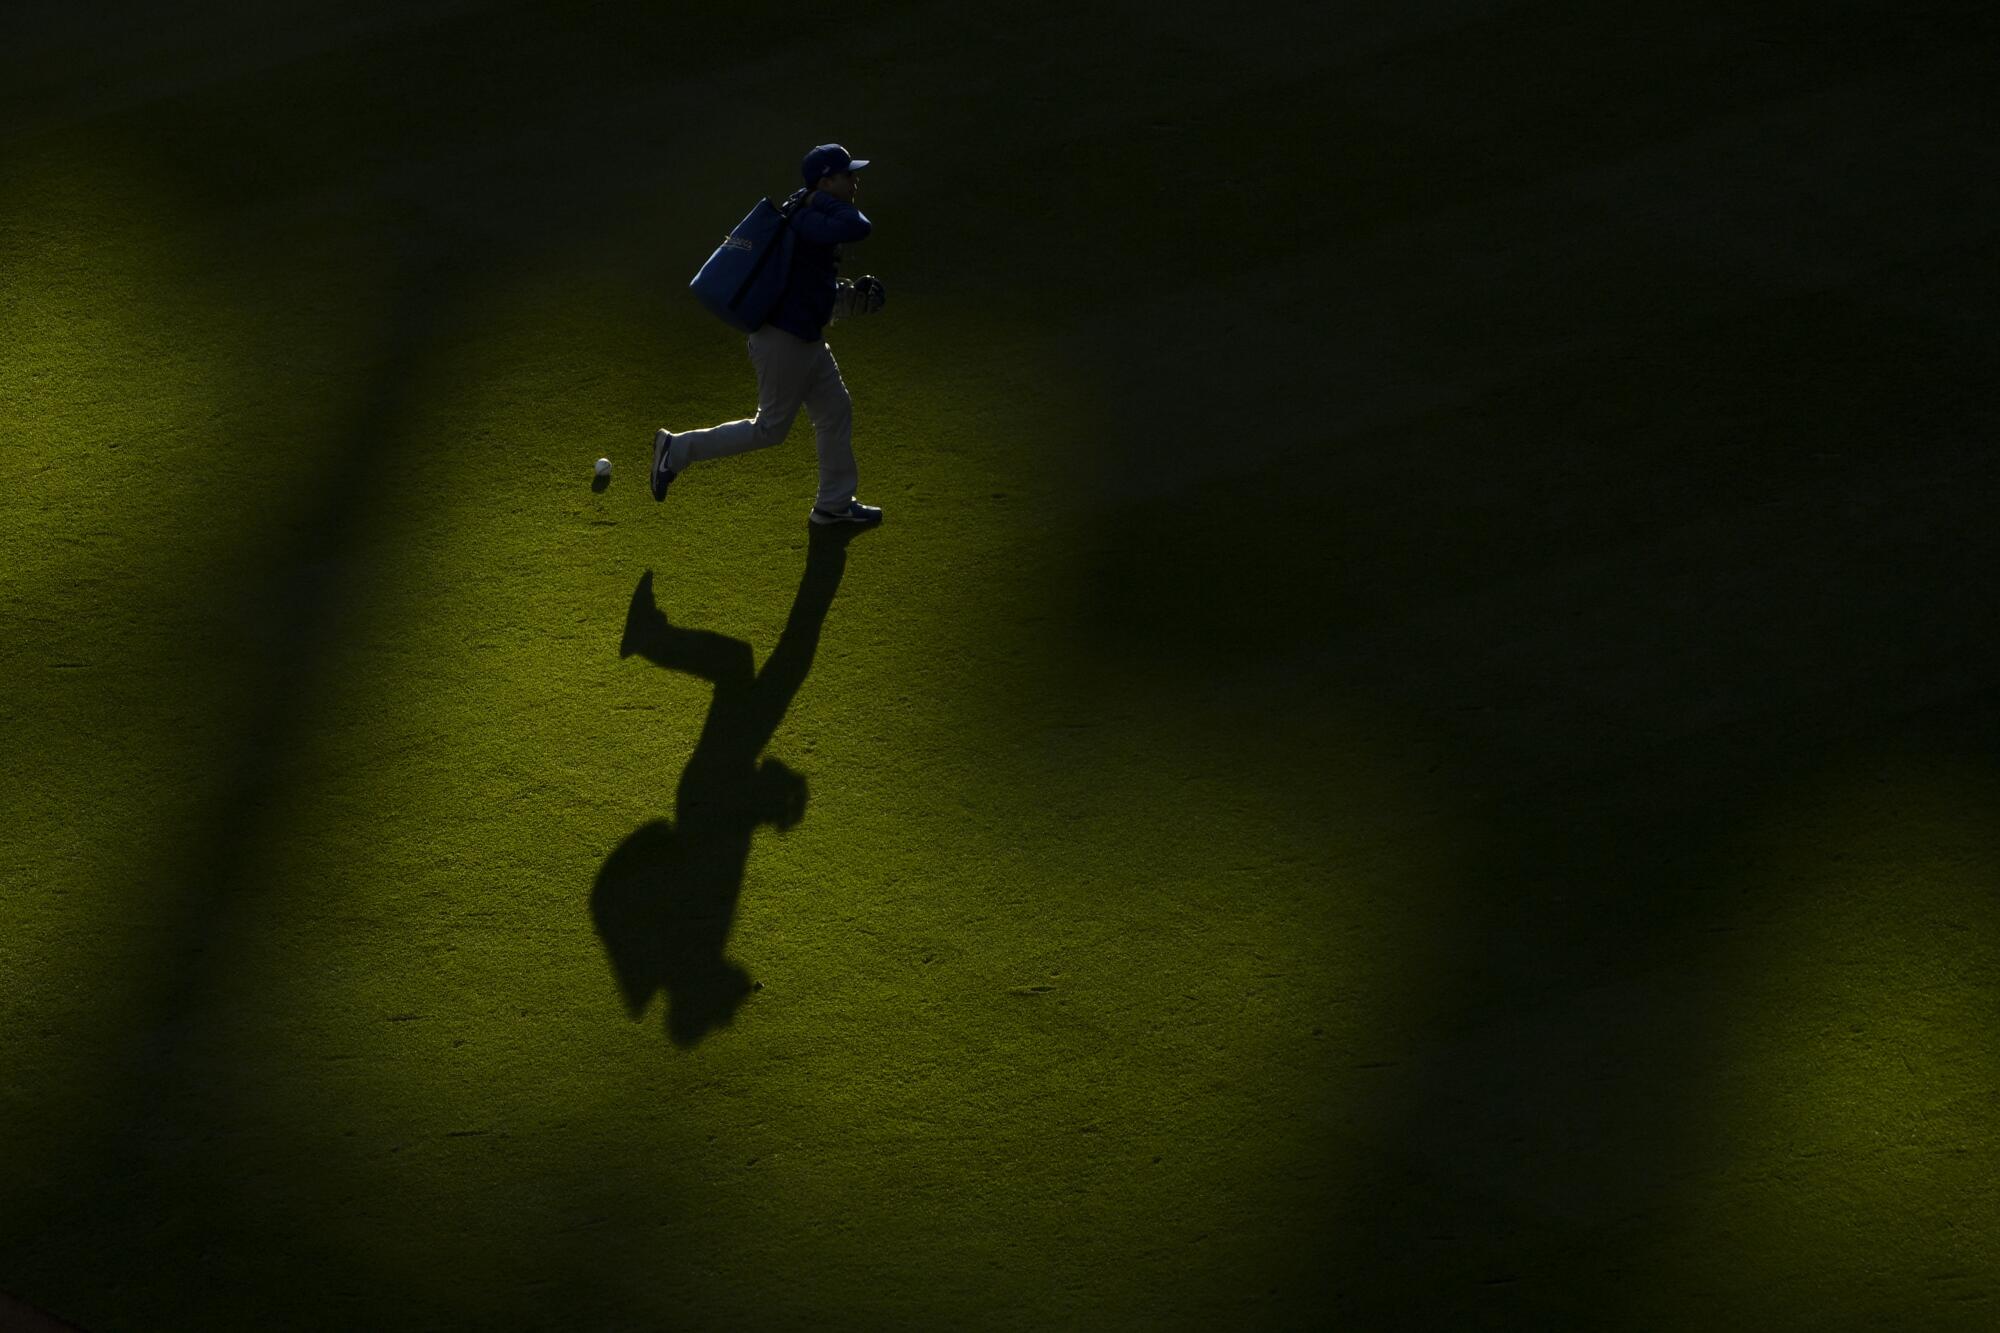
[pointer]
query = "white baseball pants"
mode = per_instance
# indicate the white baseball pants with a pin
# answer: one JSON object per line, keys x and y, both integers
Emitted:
{"x": 791, "y": 373}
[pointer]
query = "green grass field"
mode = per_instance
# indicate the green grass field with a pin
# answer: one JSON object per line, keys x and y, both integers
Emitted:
{"x": 1419, "y": 746}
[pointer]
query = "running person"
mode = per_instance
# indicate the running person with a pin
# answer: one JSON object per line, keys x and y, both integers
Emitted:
{"x": 794, "y": 366}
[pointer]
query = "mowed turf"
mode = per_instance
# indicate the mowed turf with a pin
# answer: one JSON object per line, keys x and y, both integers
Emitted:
{"x": 1418, "y": 740}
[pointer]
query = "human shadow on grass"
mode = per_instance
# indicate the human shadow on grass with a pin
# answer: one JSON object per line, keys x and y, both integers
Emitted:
{"x": 666, "y": 897}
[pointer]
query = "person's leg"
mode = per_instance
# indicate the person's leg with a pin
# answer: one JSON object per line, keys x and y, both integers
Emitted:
{"x": 784, "y": 366}
{"x": 832, "y": 413}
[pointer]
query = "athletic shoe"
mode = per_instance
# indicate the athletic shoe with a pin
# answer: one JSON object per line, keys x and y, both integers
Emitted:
{"x": 663, "y": 443}
{"x": 851, "y": 512}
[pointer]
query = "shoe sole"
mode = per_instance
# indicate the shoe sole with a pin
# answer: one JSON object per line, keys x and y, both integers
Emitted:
{"x": 828, "y": 520}
{"x": 662, "y": 443}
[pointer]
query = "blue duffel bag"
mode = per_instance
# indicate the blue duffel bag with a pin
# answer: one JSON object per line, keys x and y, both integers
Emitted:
{"x": 743, "y": 279}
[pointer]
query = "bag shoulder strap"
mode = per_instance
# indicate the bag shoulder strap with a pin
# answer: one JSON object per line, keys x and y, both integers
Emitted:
{"x": 757, "y": 266}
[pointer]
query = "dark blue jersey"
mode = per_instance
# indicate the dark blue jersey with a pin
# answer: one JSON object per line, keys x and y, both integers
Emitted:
{"x": 818, "y": 231}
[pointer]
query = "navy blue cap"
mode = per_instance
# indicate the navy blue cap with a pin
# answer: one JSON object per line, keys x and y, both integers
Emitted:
{"x": 829, "y": 159}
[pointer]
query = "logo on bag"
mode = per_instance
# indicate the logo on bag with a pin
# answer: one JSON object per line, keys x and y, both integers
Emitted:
{"x": 737, "y": 243}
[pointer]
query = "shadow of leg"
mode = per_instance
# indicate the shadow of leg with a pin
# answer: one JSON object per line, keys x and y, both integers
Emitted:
{"x": 699, "y": 652}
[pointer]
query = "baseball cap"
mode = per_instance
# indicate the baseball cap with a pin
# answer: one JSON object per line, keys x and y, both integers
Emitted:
{"x": 829, "y": 159}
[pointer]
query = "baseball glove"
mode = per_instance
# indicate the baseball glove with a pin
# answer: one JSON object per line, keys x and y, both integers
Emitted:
{"x": 863, "y": 296}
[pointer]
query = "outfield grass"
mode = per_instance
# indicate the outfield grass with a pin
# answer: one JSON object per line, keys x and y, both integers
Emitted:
{"x": 1418, "y": 740}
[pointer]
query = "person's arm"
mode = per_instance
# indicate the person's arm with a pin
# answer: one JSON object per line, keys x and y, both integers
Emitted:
{"x": 838, "y": 225}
